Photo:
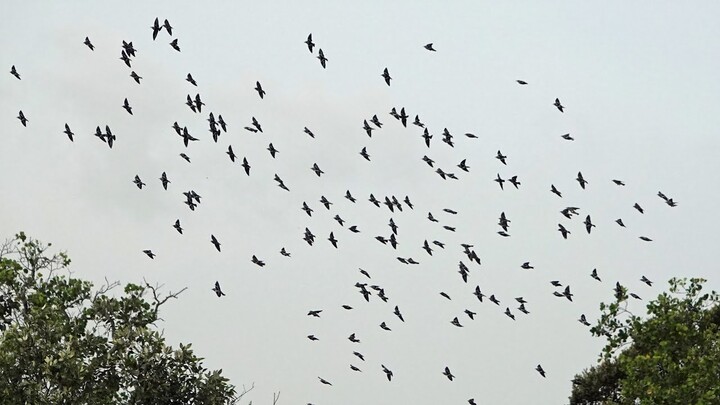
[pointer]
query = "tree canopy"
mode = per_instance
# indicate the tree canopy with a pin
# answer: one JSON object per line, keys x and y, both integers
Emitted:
{"x": 672, "y": 356}
{"x": 63, "y": 342}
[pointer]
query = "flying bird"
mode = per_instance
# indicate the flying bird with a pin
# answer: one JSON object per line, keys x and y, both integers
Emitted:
{"x": 309, "y": 43}
{"x": 594, "y": 275}
{"x": 448, "y": 374}
{"x": 156, "y": 28}
{"x": 68, "y": 132}
{"x": 386, "y": 76}
{"x": 138, "y": 182}
{"x": 215, "y": 242}
{"x": 164, "y": 180}
{"x": 558, "y": 105}
{"x": 168, "y": 27}
{"x": 257, "y": 261}
{"x": 315, "y": 168}
{"x": 500, "y": 181}
{"x": 246, "y": 166}
{"x": 567, "y": 137}
{"x": 149, "y": 253}
{"x": 174, "y": 45}
{"x": 429, "y": 47}
{"x": 646, "y": 281}
{"x": 259, "y": 89}
{"x": 555, "y": 191}
{"x": 177, "y": 226}
{"x": 521, "y": 82}
{"x": 583, "y": 320}
{"x": 14, "y": 72}
{"x": 217, "y": 290}
{"x": 326, "y": 382}
{"x": 563, "y": 231}
{"x": 190, "y": 80}
{"x": 322, "y": 57}
{"x": 364, "y": 154}
{"x": 127, "y": 107}
{"x": 388, "y": 373}
{"x": 135, "y": 77}
{"x": 89, "y": 44}
{"x": 639, "y": 208}
{"x": 540, "y": 370}
{"x": 22, "y": 118}
{"x": 588, "y": 224}
{"x": 581, "y": 180}
{"x": 456, "y": 322}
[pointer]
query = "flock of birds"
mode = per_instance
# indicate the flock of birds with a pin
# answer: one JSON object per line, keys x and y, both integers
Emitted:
{"x": 218, "y": 126}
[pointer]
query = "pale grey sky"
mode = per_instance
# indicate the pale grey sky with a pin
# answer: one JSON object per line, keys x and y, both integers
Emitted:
{"x": 639, "y": 85}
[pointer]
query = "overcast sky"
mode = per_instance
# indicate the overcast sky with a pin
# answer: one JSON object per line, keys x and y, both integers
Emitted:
{"x": 639, "y": 83}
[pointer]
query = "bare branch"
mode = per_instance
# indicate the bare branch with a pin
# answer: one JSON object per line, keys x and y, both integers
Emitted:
{"x": 157, "y": 299}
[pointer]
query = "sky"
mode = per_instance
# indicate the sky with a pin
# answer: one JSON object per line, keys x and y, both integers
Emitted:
{"x": 641, "y": 101}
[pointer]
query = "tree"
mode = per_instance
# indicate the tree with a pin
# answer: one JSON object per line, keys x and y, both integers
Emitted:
{"x": 670, "y": 357}
{"x": 63, "y": 343}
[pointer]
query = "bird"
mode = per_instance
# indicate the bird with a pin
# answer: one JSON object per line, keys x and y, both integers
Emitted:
{"x": 164, "y": 180}
{"x": 127, "y": 107}
{"x": 417, "y": 122}
{"x": 456, "y": 322}
{"x": 353, "y": 339}
{"x": 246, "y": 166}
{"x": 464, "y": 167}
{"x": 500, "y": 181}
{"x": 190, "y": 103}
{"x": 307, "y": 209}
{"x": 522, "y": 309}
{"x": 398, "y": 314}
{"x": 502, "y": 158}
{"x": 375, "y": 120}
{"x": 563, "y": 231}
{"x": 567, "y": 294}
{"x": 619, "y": 221}
{"x": 14, "y": 72}
{"x": 315, "y": 313}
{"x": 230, "y": 153}
{"x": 637, "y": 297}
{"x": 156, "y": 28}
{"x": 128, "y": 47}
{"x": 447, "y": 137}
{"x": 408, "y": 202}
{"x": 190, "y": 80}
{"x": 217, "y": 289}
{"x": 138, "y": 182}
{"x": 174, "y": 45}
{"x": 540, "y": 370}
{"x": 521, "y": 82}
{"x": 594, "y": 275}
{"x": 509, "y": 314}
{"x": 124, "y": 57}
{"x": 322, "y": 57}
{"x": 89, "y": 44}
{"x": 368, "y": 129}
{"x": 177, "y": 226}
{"x": 581, "y": 180}
{"x": 353, "y": 229}
{"x": 168, "y": 27}
{"x": 448, "y": 374}
{"x": 284, "y": 252}
{"x": 558, "y": 105}
{"x": 668, "y": 201}
{"x": 385, "y": 327}
{"x": 478, "y": 293}
{"x": 583, "y": 320}
{"x": 310, "y": 43}
{"x": 199, "y": 104}
{"x": 556, "y": 283}
{"x": 315, "y": 168}
{"x": 280, "y": 182}
{"x": 215, "y": 242}
{"x": 388, "y": 373}
{"x": 333, "y": 240}
{"x": 555, "y": 191}
{"x": 135, "y": 77}
{"x": 588, "y": 224}
{"x": 184, "y": 156}
{"x": 312, "y": 337}
{"x": 429, "y": 161}
{"x": 22, "y": 118}
{"x": 257, "y": 261}
{"x": 364, "y": 154}
{"x": 527, "y": 266}
{"x": 470, "y": 314}
{"x": 619, "y": 182}
{"x": 645, "y": 238}
{"x": 353, "y": 368}
{"x": 149, "y": 253}
{"x": 567, "y": 137}
{"x": 471, "y": 401}
{"x": 514, "y": 181}
{"x": 646, "y": 281}
{"x": 385, "y": 75}
{"x": 259, "y": 89}
{"x": 326, "y": 382}
{"x": 429, "y": 47}
{"x": 639, "y": 208}
{"x": 68, "y": 132}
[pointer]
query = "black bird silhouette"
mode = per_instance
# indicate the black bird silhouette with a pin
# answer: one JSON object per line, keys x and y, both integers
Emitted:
{"x": 174, "y": 45}
{"x": 386, "y": 76}
{"x": 494, "y": 300}
{"x": 444, "y": 294}
{"x": 231, "y": 153}
{"x": 364, "y": 154}
{"x": 281, "y": 184}
{"x": 322, "y": 57}
{"x": 190, "y": 103}
{"x": 177, "y": 226}
{"x": 374, "y": 200}
{"x": 501, "y": 158}
{"x": 68, "y": 132}
{"x": 353, "y": 368}
{"x": 135, "y": 77}
{"x": 190, "y": 79}
{"x": 469, "y": 135}
{"x": 429, "y": 47}
{"x": 588, "y": 224}
{"x": 639, "y": 208}
{"x": 514, "y": 181}
{"x": 217, "y": 290}
{"x": 527, "y": 266}
{"x": 558, "y": 105}
{"x": 156, "y": 28}
{"x": 417, "y": 122}
{"x": 349, "y": 196}
{"x": 567, "y": 137}
{"x": 125, "y": 58}
{"x": 555, "y": 191}
{"x": 385, "y": 327}
{"x": 315, "y": 313}
{"x": 581, "y": 180}
{"x": 215, "y": 242}
{"x": 637, "y": 297}
{"x": 312, "y": 337}
{"x": 646, "y": 281}
{"x": 408, "y": 203}
{"x": 540, "y": 370}
{"x": 567, "y": 294}
{"x": 583, "y": 320}
{"x": 353, "y": 339}
{"x": 246, "y": 166}
{"x": 388, "y": 373}
{"x": 168, "y": 27}
{"x": 307, "y": 209}
{"x": 509, "y": 314}
{"x": 447, "y": 138}
{"x": 339, "y": 220}
{"x": 199, "y": 103}
{"x": 503, "y": 233}
{"x": 353, "y": 229}
{"x": 368, "y": 129}
{"x": 332, "y": 240}
{"x": 187, "y": 137}
{"x": 326, "y": 382}
{"x": 478, "y": 293}
{"x": 315, "y": 168}
{"x": 619, "y": 182}
{"x": 426, "y": 136}
{"x": 89, "y": 44}
{"x": 429, "y": 161}
{"x": 127, "y": 107}
{"x": 522, "y": 309}
{"x": 471, "y": 401}
{"x": 128, "y": 47}
{"x": 259, "y": 89}
{"x": 521, "y": 82}
{"x": 376, "y": 121}
{"x": 463, "y": 166}
{"x": 556, "y": 283}
{"x": 645, "y": 238}
{"x": 398, "y": 314}
{"x": 284, "y": 252}
{"x": 22, "y": 118}
{"x": 456, "y": 322}
{"x": 500, "y": 181}
{"x": 448, "y": 374}
{"x": 149, "y": 253}
{"x": 504, "y": 222}
{"x": 138, "y": 182}
{"x": 309, "y": 43}
{"x": 257, "y": 261}
{"x": 563, "y": 231}
{"x": 164, "y": 180}
{"x": 470, "y": 314}
{"x": 594, "y": 275}
{"x": 619, "y": 221}
{"x": 309, "y": 132}
{"x": 14, "y": 72}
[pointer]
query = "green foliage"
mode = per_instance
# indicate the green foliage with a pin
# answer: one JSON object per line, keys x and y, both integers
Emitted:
{"x": 670, "y": 357}
{"x": 63, "y": 343}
